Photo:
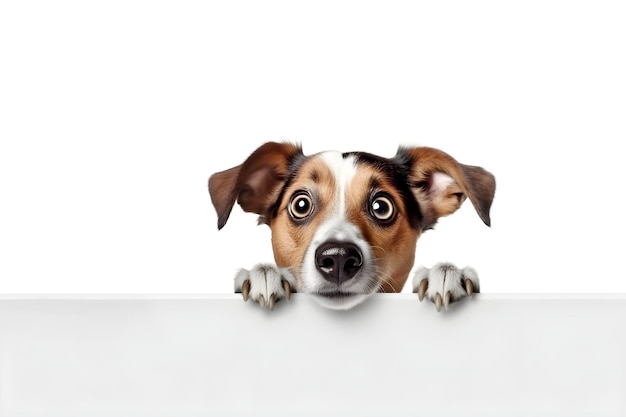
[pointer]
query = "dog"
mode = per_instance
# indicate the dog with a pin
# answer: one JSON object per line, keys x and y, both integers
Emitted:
{"x": 345, "y": 225}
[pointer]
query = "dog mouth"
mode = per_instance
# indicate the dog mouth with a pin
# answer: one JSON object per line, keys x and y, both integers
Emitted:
{"x": 337, "y": 295}
{"x": 339, "y": 300}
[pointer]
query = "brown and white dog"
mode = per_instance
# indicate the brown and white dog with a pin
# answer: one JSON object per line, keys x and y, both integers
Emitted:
{"x": 345, "y": 225}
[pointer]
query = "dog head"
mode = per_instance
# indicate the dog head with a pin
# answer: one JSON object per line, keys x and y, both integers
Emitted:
{"x": 346, "y": 224}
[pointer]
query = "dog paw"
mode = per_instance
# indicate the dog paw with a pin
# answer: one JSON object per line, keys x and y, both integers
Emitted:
{"x": 444, "y": 284}
{"x": 266, "y": 284}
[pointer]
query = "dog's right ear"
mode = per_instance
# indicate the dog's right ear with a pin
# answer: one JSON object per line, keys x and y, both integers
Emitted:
{"x": 255, "y": 184}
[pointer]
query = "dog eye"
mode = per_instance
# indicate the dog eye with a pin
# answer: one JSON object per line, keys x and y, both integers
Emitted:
{"x": 382, "y": 208}
{"x": 301, "y": 206}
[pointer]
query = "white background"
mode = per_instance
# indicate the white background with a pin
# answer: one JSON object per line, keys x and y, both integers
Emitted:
{"x": 114, "y": 114}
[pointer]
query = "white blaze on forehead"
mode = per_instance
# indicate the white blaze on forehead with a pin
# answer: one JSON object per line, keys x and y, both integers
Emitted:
{"x": 343, "y": 170}
{"x": 336, "y": 227}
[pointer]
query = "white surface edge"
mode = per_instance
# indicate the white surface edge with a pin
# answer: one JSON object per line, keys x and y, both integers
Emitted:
{"x": 398, "y": 296}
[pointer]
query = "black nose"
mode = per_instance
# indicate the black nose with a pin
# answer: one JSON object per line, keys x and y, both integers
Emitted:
{"x": 338, "y": 261}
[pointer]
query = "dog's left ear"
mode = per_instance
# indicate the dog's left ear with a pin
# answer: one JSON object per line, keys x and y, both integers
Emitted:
{"x": 441, "y": 184}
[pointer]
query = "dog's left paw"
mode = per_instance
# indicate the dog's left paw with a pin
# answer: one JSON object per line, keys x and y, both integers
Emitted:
{"x": 444, "y": 283}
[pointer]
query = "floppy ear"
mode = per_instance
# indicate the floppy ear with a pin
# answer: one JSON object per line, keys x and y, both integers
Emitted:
{"x": 255, "y": 184}
{"x": 441, "y": 184}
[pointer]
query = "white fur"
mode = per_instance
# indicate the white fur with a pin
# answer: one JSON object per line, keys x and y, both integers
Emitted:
{"x": 343, "y": 170}
{"x": 265, "y": 280}
{"x": 439, "y": 183}
{"x": 446, "y": 278}
{"x": 419, "y": 275}
{"x": 337, "y": 227}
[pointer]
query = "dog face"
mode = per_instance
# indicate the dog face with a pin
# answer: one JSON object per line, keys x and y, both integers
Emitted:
{"x": 346, "y": 224}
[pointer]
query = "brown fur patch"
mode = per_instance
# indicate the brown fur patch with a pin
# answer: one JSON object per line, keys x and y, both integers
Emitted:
{"x": 393, "y": 245}
{"x": 255, "y": 184}
{"x": 471, "y": 181}
{"x": 290, "y": 240}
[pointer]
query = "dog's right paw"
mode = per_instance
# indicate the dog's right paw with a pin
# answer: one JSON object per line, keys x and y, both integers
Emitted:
{"x": 266, "y": 284}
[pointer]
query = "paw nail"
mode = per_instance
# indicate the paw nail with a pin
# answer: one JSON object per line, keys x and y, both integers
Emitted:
{"x": 245, "y": 290}
{"x": 469, "y": 287}
{"x": 287, "y": 289}
{"x": 438, "y": 302}
{"x": 272, "y": 301}
{"x": 446, "y": 301}
{"x": 262, "y": 301}
{"x": 422, "y": 289}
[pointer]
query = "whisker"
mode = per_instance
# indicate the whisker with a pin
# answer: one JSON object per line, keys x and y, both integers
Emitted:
{"x": 385, "y": 279}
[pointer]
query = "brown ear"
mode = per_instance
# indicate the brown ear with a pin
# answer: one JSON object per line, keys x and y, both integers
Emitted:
{"x": 441, "y": 184}
{"x": 255, "y": 184}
